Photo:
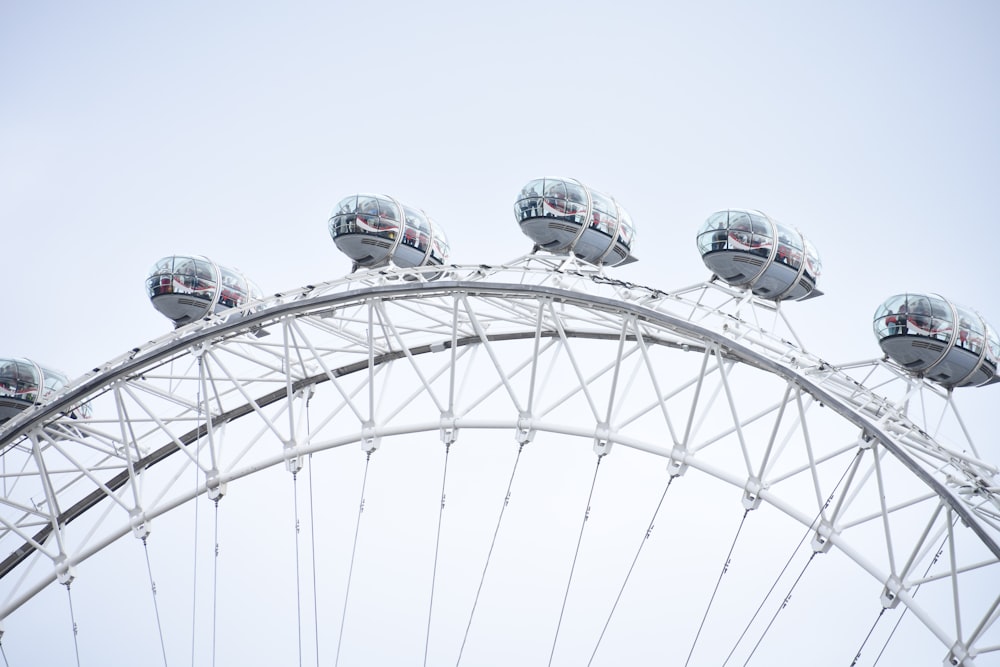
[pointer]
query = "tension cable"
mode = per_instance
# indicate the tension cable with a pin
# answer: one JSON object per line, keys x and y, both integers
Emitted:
{"x": 215, "y": 582}
{"x": 312, "y": 536}
{"x": 784, "y": 604}
{"x": 437, "y": 548}
{"x": 194, "y": 573}
{"x": 72, "y": 618}
{"x": 298, "y": 578}
{"x": 649, "y": 532}
{"x": 312, "y": 544}
{"x": 857, "y": 656}
{"x": 915, "y": 591}
{"x": 715, "y": 590}
{"x": 496, "y": 531}
{"x": 809, "y": 530}
{"x": 576, "y": 553}
{"x": 354, "y": 550}
{"x": 156, "y": 606}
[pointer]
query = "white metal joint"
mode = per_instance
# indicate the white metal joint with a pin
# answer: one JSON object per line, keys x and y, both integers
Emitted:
{"x": 890, "y": 594}
{"x": 140, "y": 527}
{"x": 751, "y": 493}
{"x": 524, "y": 433}
{"x": 65, "y": 572}
{"x": 369, "y": 439}
{"x": 867, "y": 440}
{"x": 293, "y": 461}
{"x": 821, "y": 541}
{"x": 216, "y": 487}
{"x": 958, "y": 655}
{"x": 293, "y": 464}
{"x": 449, "y": 432}
{"x": 677, "y": 463}
{"x": 602, "y": 439}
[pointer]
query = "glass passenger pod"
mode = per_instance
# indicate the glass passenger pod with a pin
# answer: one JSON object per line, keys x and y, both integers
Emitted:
{"x": 187, "y": 288}
{"x": 563, "y": 215}
{"x": 932, "y": 337}
{"x": 374, "y": 230}
{"x": 746, "y": 248}
{"x": 24, "y": 383}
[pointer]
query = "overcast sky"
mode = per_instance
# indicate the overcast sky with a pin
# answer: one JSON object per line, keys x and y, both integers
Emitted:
{"x": 131, "y": 131}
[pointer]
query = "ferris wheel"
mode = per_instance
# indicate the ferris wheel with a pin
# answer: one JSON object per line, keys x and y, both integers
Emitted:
{"x": 532, "y": 462}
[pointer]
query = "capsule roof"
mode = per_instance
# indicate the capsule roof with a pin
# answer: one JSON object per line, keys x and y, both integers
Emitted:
{"x": 562, "y": 215}
{"x": 746, "y": 248}
{"x": 188, "y": 287}
{"x": 375, "y": 230}
{"x": 929, "y": 336}
{"x": 24, "y": 383}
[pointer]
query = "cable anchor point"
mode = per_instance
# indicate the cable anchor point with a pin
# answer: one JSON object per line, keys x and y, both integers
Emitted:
{"x": 65, "y": 572}
{"x": 215, "y": 486}
{"x": 890, "y": 594}
{"x": 957, "y": 655}
{"x": 602, "y": 439}
{"x": 821, "y": 541}
{"x": 140, "y": 526}
{"x": 369, "y": 440}
{"x": 524, "y": 433}
{"x": 449, "y": 431}
{"x": 293, "y": 460}
{"x": 677, "y": 463}
{"x": 751, "y": 493}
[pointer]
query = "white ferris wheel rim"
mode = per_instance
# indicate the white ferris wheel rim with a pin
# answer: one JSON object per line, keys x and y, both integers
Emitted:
{"x": 877, "y": 420}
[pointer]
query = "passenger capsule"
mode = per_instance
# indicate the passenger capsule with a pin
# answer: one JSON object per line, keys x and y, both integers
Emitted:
{"x": 563, "y": 215}
{"x": 932, "y": 337}
{"x": 748, "y": 249}
{"x": 374, "y": 230}
{"x": 188, "y": 288}
{"x": 24, "y": 383}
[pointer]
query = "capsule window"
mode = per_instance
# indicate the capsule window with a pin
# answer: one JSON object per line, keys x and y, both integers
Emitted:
{"x": 761, "y": 245}
{"x": 919, "y": 309}
{"x": 233, "y": 291}
{"x": 416, "y": 232}
{"x": 439, "y": 250}
{"x": 789, "y": 247}
{"x": 533, "y": 189}
{"x": 707, "y": 243}
{"x": 557, "y": 203}
{"x": 367, "y": 215}
{"x": 194, "y": 277}
{"x": 53, "y": 381}
{"x": 941, "y": 321}
{"x": 718, "y": 220}
{"x": 529, "y": 203}
{"x": 740, "y": 221}
{"x": 713, "y": 234}
{"x": 9, "y": 378}
{"x": 813, "y": 267}
{"x": 626, "y": 233}
{"x": 892, "y": 316}
{"x": 164, "y": 265}
{"x": 760, "y": 224}
{"x": 347, "y": 205}
{"x": 26, "y": 383}
{"x": 555, "y": 189}
{"x": 387, "y": 210}
{"x": 970, "y": 331}
{"x": 992, "y": 348}
{"x": 603, "y": 216}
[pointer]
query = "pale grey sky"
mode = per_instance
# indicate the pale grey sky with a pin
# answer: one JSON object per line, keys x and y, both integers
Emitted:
{"x": 129, "y": 132}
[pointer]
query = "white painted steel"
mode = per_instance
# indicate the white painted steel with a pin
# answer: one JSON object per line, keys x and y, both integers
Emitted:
{"x": 544, "y": 345}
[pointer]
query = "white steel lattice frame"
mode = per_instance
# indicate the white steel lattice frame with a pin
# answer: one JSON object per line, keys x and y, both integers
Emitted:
{"x": 508, "y": 348}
